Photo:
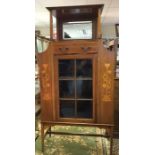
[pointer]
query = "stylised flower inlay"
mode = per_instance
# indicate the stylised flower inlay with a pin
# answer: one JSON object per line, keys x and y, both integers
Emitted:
{"x": 45, "y": 81}
{"x": 107, "y": 83}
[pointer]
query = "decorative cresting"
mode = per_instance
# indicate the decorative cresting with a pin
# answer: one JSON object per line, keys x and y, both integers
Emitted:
{"x": 45, "y": 82}
{"x": 107, "y": 83}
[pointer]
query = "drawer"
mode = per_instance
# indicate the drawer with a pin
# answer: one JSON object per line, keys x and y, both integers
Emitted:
{"x": 88, "y": 49}
{"x": 65, "y": 49}
{"x": 82, "y": 49}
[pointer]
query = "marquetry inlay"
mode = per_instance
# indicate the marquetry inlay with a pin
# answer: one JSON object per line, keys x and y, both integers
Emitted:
{"x": 107, "y": 83}
{"x": 45, "y": 82}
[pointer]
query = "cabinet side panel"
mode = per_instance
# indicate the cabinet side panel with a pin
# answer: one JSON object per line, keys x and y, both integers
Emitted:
{"x": 53, "y": 83}
{"x": 116, "y": 106}
{"x": 45, "y": 85}
{"x": 106, "y": 61}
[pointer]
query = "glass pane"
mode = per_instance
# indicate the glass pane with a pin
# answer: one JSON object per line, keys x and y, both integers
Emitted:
{"x": 84, "y": 109}
{"x": 67, "y": 108}
{"x": 39, "y": 46}
{"x": 84, "y": 68}
{"x": 66, "y": 68}
{"x": 84, "y": 89}
{"x": 67, "y": 89}
{"x": 45, "y": 45}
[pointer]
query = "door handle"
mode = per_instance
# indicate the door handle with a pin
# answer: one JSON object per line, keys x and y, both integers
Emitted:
{"x": 85, "y": 49}
{"x": 63, "y": 49}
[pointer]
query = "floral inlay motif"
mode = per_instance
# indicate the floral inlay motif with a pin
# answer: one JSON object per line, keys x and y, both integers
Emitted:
{"x": 107, "y": 83}
{"x": 45, "y": 82}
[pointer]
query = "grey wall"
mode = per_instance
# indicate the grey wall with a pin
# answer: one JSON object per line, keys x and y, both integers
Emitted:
{"x": 108, "y": 31}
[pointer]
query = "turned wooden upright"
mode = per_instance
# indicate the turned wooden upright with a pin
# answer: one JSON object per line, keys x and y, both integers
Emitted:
{"x": 103, "y": 64}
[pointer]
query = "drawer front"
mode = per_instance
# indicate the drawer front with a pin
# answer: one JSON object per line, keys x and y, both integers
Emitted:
{"x": 82, "y": 49}
{"x": 65, "y": 50}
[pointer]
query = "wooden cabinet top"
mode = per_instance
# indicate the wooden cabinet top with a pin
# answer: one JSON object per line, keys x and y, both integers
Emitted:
{"x": 65, "y": 15}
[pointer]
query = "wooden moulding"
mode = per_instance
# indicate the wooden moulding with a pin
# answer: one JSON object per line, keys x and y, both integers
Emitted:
{"x": 78, "y": 124}
{"x": 78, "y": 134}
{"x": 76, "y": 13}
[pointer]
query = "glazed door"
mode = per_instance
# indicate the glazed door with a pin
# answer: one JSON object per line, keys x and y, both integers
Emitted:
{"x": 75, "y": 88}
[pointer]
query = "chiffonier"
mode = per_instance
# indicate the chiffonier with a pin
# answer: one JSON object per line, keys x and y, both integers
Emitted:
{"x": 76, "y": 71}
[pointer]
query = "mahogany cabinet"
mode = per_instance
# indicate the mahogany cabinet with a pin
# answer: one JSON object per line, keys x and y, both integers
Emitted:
{"x": 77, "y": 85}
{"x": 77, "y": 75}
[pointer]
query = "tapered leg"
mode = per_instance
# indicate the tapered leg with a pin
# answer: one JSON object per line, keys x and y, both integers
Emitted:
{"x": 50, "y": 130}
{"x": 42, "y": 137}
{"x": 111, "y": 141}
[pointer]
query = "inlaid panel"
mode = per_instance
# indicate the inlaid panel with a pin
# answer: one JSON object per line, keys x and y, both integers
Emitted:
{"x": 45, "y": 82}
